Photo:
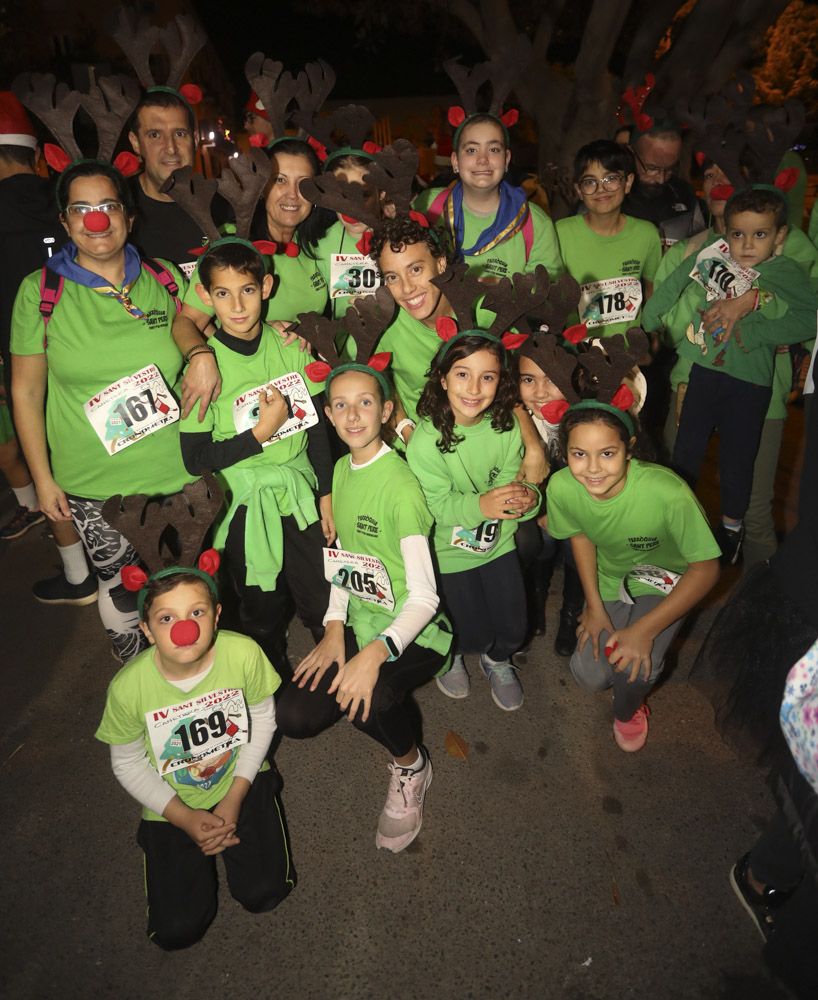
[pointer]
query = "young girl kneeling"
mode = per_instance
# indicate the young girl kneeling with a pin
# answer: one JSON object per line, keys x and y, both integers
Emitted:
{"x": 644, "y": 552}
{"x": 383, "y": 634}
{"x": 189, "y": 722}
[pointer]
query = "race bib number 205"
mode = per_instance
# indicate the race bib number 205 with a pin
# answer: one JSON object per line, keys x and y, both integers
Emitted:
{"x": 363, "y": 576}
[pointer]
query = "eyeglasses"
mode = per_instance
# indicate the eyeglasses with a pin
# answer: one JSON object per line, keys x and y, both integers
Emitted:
{"x": 610, "y": 182}
{"x": 651, "y": 170}
{"x": 108, "y": 207}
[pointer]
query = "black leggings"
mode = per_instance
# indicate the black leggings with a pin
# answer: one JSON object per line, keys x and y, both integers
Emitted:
{"x": 182, "y": 884}
{"x": 264, "y": 614}
{"x": 487, "y": 606}
{"x": 301, "y": 713}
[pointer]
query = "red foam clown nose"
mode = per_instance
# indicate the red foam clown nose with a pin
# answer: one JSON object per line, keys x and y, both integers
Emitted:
{"x": 96, "y": 222}
{"x": 185, "y": 633}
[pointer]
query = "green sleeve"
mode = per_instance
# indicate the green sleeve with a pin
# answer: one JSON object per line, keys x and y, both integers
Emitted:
{"x": 446, "y": 504}
{"x": 546, "y": 248}
{"x": 260, "y": 677}
{"x": 425, "y": 199}
{"x": 790, "y": 317}
{"x": 689, "y": 528}
{"x": 813, "y": 223}
{"x": 665, "y": 296}
{"x": 119, "y": 724}
{"x": 798, "y": 247}
{"x": 558, "y": 504}
{"x": 653, "y": 256}
{"x": 27, "y": 328}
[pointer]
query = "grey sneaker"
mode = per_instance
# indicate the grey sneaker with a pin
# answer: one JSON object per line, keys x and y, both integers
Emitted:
{"x": 506, "y": 690}
{"x": 455, "y": 683}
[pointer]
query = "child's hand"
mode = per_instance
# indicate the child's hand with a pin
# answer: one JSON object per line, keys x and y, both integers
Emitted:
{"x": 535, "y": 467}
{"x": 205, "y": 829}
{"x": 721, "y": 317}
{"x": 591, "y": 624}
{"x": 507, "y": 503}
{"x": 327, "y": 520}
{"x": 328, "y": 651}
{"x": 228, "y": 810}
{"x": 272, "y": 414}
{"x": 356, "y": 680}
{"x": 630, "y": 648}
{"x": 289, "y": 336}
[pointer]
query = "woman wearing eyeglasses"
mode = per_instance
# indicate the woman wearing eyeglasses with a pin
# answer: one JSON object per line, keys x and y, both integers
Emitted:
{"x": 613, "y": 256}
{"x": 93, "y": 382}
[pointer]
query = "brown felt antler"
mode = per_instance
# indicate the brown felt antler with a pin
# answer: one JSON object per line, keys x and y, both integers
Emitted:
{"x": 501, "y": 71}
{"x": 110, "y": 103}
{"x": 346, "y": 126}
{"x": 605, "y": 367}
{"x": 514, "y": 299}
{"x": 559, "y": 365}
{"x": 152, "y": 526}
{"x": 462, "y": 289}
{"x": 182, "y": 38}
{"x": 467, "y": 81}
{"x": 320, "y": 333}
{"x": 718, "y": 127}
{"x": 392, "y": 172}
{"x": 194, "y": 193}
{"x": 313, "y": 86}
{"x": 560, "y": 302}
{"x": 365, "y": 321}
{"x": 274, "y": 87}
{"x": 357, "y": 201}
{"x": 242, "y": 183}
{"x": 54, "y": 104}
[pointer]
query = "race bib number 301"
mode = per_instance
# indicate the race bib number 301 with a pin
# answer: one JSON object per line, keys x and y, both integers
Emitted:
{"x": 131, "y": 409}
{"x": 353, "y": 274}
{"x": 362, "y": 576}
{"x": 199, "y": 731}
{"x": 300, "y": 407}
{"x": 614, "y": 300}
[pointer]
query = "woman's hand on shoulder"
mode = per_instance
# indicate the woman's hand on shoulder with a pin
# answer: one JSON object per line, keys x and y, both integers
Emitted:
{"x": 201, "y": 384}
{"x": 328, "y": 651}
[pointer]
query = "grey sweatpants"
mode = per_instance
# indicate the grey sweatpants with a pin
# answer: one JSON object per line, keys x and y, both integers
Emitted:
{"x": 599, "y": 675}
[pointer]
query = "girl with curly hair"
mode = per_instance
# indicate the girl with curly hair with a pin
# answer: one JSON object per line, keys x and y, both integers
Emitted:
{"x": 466, "y": 454}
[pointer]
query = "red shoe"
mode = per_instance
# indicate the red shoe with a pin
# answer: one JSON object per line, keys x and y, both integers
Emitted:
{"x": 630, "y": 736}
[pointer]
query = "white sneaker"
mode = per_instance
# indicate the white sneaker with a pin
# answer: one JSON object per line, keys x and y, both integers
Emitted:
{"x": 402, "y": 815}
{"x": 455, "y": 683}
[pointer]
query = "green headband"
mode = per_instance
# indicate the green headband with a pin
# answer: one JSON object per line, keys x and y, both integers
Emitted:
{"x": 174, "y": 571}
{"x": 443, "y": 350}
{"x": 592, "y": 404}
{"x": 238, "y": 241}
{"x": 175, "y": 93}
{"x": 352, "y": 366}
{"x": 347, "y": 151}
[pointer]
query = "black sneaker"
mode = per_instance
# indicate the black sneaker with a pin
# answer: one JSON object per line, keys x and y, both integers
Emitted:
{"x": 730, "y": 543}
{"x": 762, "y": 907}
{"x": 565, "y": 641}
{"x": 57, "y": 590}
{"x": 22, "y": 522}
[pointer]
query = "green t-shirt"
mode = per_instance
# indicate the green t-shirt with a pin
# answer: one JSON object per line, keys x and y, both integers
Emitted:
{"x": 453, "y": 483}
{"x": 610, "y": 270}
{"x": 787, "y": 316}
{"x": 141, "y": 703}
{"x": 94, "y": 343}
{"x": 654, "y": 521}
{"x": 676, "y": 320}
{"x": 509, "y": 257}
{"x": 375, "y": 507}
{"x": 346, "y": 271}
{"x": 299, "y": 287}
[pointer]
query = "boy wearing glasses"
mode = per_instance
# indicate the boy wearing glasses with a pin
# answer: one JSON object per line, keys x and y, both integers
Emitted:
{"x": 613, "y": 256}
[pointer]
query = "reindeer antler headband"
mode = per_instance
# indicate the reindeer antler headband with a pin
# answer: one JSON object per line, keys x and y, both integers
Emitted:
{"x": 146, "y": 524}
{"x": 500, "y": 72}
{"x": 364, "y": 321}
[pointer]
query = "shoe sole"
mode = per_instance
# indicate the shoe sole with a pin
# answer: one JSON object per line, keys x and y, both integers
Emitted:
{"x": 506, "y": 708}
{"x": 456, "y": 697}
{"x": 78, "y": 602}
{"x": 397, "y": 850}
{"x": 740, "y": 896}
{"x": 19, "y": 534}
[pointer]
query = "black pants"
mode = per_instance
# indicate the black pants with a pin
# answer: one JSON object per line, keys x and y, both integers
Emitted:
{"x": 737, "y": 409}
{"x": 776, "y": 858}
{"x": 487, "y": 606}
{"x": 264, "y": 614}
{"x": 301, "y": 713}
{"x": 182, "y": 884}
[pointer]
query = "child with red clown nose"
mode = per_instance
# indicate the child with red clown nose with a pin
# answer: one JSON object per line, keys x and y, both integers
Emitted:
{"x": 189, "y": 722}
{"x": 641, "y": 542}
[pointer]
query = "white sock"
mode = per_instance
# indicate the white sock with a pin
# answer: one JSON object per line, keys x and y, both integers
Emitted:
{"x": 732, "y": 527}
{"x": 419, "y": 763}
{"x": 73, "y": 562}
{"x": 26, "y": 496}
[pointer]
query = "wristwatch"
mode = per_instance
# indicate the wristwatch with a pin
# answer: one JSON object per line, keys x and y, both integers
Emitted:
{"x": 391, "y": 645}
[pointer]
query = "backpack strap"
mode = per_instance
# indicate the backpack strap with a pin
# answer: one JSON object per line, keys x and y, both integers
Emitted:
{"x": 51, "y": 286}
{"x": 528, "y": 235}
{"x": 161, "y": 274}
{"x": 435, "y": 210}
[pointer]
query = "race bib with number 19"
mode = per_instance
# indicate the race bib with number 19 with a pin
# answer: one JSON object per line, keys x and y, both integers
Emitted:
{"x": 483, "y": 538}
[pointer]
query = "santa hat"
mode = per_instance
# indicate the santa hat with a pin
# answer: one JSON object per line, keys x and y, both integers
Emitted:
{"x": 255, "y": 105}
{"x": 15, "y": 125}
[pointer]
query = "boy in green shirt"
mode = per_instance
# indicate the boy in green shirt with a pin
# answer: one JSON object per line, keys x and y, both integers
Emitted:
{"x": 267, "y": 439}
{"x": 612, "y": 255}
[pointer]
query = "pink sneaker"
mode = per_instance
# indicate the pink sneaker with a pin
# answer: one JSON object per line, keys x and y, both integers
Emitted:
{"x": 402, "y": 815}
{"x": 630, "y": 736}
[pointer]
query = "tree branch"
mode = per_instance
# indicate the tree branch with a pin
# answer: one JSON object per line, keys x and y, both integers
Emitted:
{"x": 465, "y": 11}
{"x": 654, "y": 24}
